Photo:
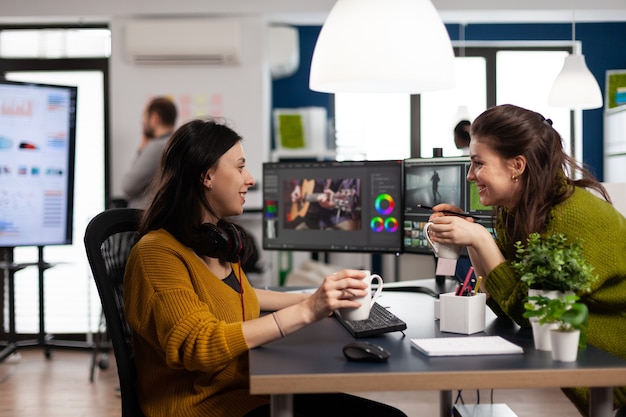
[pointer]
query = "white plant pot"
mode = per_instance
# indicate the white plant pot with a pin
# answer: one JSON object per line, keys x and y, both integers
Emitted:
{"x": 548, "y": 293}
{"x": 532, "y": 292}
{"x": 564, "y": 345}
{"x": 541, "y": 334}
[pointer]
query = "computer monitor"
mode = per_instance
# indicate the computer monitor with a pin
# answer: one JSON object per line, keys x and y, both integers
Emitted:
{"x": 37, "y": 142}
{"x": 432, "y": 181}
{"x": 333, "y": 206}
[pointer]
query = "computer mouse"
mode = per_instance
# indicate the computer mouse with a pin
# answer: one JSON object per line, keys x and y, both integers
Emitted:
{"x": 365, "y": 352}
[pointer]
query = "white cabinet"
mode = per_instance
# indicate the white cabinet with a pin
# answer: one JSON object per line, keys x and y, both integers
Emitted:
{"x": 615, "y": 145}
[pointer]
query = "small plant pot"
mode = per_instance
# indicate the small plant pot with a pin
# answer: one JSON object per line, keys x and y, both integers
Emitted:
{"x": 547, "y": 293}
{"x": 564, "y": 345}
{"x": 541, "y": 334}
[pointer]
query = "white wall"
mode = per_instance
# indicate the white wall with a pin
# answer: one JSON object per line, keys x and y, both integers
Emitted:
{"x": 239, "y": 93}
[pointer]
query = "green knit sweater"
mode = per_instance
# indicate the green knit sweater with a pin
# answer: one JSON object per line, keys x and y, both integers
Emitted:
{"x": 603, "y": 232}
{"x": 190, "y": 352}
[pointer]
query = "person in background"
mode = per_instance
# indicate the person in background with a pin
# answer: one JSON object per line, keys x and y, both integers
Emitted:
{"x": 193, "y": 313}
{"x": 159, "y": 119}
{"x": 462, "y": 136}
{"x": 520, "y": 168}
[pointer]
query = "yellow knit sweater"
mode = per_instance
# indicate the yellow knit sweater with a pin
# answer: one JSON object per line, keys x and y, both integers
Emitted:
{"x": 190, "y": 352}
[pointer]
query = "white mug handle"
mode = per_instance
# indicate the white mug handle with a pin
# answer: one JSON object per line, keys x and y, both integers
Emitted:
{"x": 432, "y": 244}
{"x": 379, "y": 288}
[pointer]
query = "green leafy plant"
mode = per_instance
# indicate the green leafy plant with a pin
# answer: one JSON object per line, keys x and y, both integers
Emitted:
{"x": 553, "y": 263}
{"x": 566, "y": 312}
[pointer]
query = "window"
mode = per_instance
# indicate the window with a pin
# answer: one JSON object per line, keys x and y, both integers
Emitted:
{"x": 442, "y": 110}
{"x": 72, "y": 304}
{"x": 524, "y": 78}
{"x": 372, "y": 126}
{"x": 55, "y": 43}
{"x": 379, "y": 126}
{"x": 491, "y": 75}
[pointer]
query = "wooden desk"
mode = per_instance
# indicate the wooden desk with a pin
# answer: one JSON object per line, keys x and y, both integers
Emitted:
{"x": 311, "y": 361}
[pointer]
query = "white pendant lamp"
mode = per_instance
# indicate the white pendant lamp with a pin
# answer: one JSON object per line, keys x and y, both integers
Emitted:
{"x": 575, "y": 87}
{"x": 382, "y": 46}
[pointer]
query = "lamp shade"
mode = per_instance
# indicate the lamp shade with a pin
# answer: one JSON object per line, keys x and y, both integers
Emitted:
{"x": 382, "y": 46}
{"x": 575, "y": 87}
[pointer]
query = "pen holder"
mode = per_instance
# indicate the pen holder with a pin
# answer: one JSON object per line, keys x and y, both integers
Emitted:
{"x": 462, "y": 314}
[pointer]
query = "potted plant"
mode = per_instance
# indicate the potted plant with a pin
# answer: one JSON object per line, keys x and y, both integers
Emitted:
{"x": 551, "y": 267}
{"x": 553, "y": 264}
{"x": 570, "y": 319}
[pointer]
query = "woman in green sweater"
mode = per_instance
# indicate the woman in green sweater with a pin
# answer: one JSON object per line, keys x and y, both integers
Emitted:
{"x": 193, "y": 313}
{"x": 520, "y": 168}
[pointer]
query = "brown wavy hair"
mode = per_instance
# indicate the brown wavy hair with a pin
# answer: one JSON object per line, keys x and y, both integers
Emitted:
{"x": 550, "y": 175}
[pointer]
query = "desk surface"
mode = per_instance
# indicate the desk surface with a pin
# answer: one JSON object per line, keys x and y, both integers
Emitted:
{"x": 311, "y": 360}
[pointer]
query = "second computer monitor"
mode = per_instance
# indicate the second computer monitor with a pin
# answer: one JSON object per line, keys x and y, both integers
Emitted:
{"x": 432, "y": 181}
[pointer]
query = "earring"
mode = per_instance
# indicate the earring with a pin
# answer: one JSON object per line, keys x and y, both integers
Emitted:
{"x": 210, "y": 187}
{"x": 514, "y": 178}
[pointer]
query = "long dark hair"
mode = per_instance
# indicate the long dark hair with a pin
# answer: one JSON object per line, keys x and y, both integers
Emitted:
{"x": 550, "y": 174}
{"x": 180, "y": 199}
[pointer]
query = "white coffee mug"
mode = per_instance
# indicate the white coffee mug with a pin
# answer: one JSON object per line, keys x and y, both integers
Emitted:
{"x": 442, "y": 250}
{"x": 367, "y": 301}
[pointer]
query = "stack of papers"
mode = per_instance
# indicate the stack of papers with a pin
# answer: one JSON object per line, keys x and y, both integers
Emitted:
{"x": 462, "y": 346}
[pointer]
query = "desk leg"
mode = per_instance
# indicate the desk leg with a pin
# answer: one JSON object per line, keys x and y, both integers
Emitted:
{"x": 445, "y": 403}
{"x": 281, "y": 405}
{"x": 601, "y": 402}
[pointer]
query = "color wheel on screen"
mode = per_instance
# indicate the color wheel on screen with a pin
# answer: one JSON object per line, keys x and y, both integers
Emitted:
{"x": 384, "y": 204}
{"x": 378, "y": 224}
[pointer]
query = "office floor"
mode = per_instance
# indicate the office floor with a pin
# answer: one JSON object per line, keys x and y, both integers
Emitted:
{"x": 34, "y": 386}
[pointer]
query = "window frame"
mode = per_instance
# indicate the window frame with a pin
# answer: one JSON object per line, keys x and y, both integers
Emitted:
{"x": 100, "y": 64}
{"x": 487, "y": 50}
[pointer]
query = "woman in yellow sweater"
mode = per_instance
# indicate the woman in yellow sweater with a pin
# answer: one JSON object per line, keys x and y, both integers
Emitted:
{"x": 193, "y": 312}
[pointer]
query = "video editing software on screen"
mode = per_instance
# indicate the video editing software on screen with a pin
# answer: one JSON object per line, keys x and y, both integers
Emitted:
{"x": 432, "y": 181}
{"x": 333, "y": 206}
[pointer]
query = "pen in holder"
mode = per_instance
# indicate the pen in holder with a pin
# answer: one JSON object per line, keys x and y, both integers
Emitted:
{"x": 462, "y": 314}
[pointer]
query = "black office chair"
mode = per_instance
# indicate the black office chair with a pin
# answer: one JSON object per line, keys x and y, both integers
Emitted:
{"x": 108, "y": 239}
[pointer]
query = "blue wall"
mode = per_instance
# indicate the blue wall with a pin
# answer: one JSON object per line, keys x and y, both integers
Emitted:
{"x": 603, "y": 47}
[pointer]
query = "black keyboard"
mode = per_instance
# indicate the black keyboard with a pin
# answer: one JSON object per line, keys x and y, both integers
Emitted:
{"x": 380, "y": 321}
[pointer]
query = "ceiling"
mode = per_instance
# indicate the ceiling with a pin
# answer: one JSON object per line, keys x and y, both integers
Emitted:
{"x": 307, "y": 11}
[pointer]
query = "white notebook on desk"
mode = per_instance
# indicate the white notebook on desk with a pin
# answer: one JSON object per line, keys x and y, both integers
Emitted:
{"x": 463, "y": 346}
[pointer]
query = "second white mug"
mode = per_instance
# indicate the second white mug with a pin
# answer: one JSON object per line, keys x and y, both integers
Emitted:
{"x": 367, "y": 301}
{"x": 446, "y": 251}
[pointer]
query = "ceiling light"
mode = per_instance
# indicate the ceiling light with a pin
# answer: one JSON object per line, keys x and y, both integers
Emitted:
{"x": 382, "y": 46}
{"x": 575, "y": 87}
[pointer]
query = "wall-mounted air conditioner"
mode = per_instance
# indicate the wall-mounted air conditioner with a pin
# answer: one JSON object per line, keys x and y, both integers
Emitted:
{"x": 183, "y": 41}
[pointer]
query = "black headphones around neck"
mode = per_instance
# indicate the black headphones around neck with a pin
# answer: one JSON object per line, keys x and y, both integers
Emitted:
{"x": 226, "y": 242}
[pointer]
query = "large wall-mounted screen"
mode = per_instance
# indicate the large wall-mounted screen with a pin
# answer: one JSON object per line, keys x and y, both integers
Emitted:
{"x": 37, "y": 143}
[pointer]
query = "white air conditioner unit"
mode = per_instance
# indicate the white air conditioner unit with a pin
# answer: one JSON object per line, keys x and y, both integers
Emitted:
{"x": 183, "y": 41}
